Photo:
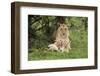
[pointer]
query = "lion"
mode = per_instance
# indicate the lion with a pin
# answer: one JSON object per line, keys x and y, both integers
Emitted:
{"x": 62, "y": 38}
{"x": 61, "y": 41}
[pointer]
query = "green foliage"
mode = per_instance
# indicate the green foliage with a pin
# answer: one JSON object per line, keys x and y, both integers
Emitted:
{"x": 78, "y": 38}
{"x": 40, "y": 32}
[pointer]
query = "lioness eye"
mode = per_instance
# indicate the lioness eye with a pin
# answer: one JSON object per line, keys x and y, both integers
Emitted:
{"x": 65, "y": 28}
{"x": 61, "y": 29}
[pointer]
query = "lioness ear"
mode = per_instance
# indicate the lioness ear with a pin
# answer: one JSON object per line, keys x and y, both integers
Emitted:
{"x": 60, "y": 24}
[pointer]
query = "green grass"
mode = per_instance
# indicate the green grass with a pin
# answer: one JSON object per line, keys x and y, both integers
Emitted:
{"x": 78, "y": 49}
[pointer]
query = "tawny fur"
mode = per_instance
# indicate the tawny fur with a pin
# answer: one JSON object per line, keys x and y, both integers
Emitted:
{"x": 62, "y": 38}
{"x": 53, "y": 47}
{"x": 61, "y": 41}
